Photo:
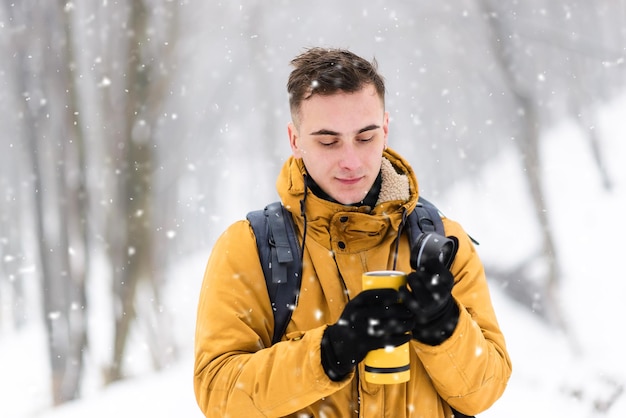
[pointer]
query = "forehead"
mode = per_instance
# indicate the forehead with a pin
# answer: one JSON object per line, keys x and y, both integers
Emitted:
{"x": 342, "y": 109}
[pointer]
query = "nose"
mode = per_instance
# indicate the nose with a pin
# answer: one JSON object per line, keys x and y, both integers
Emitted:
{"x": 349, "y": 158}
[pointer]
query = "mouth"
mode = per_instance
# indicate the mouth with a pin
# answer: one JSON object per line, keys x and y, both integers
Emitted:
{"x": 349, "y": 182}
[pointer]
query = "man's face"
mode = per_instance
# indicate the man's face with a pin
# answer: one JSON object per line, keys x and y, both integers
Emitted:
{"x": 340, "y": 139}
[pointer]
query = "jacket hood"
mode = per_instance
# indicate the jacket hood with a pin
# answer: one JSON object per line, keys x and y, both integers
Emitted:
{"x": 399, "y": 189}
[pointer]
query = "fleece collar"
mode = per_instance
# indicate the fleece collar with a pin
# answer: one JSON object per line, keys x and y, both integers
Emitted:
{"x": 395, "y": 186}
{"x": 399, "y": 186}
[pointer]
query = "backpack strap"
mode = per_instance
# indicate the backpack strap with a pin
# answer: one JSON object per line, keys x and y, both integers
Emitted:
{"x": 279, "y": 254}
{"x": 424, "y": 218}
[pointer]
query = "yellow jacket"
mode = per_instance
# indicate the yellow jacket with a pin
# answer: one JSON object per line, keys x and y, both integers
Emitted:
{"x": 238, "y": 373}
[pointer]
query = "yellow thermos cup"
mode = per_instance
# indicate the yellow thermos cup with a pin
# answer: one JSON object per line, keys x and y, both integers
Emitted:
{"x": 391, "y": 364}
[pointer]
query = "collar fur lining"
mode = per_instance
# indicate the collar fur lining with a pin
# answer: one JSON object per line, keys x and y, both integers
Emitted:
{"x": 395, "y": 186}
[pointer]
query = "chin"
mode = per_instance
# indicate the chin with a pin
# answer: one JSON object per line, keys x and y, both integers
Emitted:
{"x": 350, "y": 200}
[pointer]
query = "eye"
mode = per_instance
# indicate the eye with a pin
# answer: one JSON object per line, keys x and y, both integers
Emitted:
{"x": 367, "y": 139}
{"x": 329, "y": 143}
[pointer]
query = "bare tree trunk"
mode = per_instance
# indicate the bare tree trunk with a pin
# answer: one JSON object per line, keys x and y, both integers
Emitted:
{"x": 265, "y": 146}
{"x": 531, "y": 160}
{"x": 583, "y": 108}
{"x": 528, "y": 144}
{"x": 12, "y": 245}
{"x": 138, "y": 273}
{"x": 76, "y": 214}
{"x": 133, "y": 192}
{"x": 57, "y": 285}
{"x": 51, "y": 136}
{"x": 586, "y": 120}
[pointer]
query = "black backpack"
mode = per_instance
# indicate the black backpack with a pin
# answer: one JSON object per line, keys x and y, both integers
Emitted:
{"x": 280, "y": 252}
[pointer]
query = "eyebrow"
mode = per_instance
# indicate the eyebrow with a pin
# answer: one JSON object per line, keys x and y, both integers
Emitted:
{"x": 333, "y": 133}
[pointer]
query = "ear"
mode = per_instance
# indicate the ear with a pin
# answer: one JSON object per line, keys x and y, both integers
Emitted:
{"x": 292, "y": 131}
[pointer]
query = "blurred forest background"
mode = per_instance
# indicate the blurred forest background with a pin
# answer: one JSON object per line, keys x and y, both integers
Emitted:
{"x": 132, "y": 133}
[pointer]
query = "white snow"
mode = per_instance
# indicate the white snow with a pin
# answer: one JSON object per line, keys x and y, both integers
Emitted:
{"x": 554, "y": 375}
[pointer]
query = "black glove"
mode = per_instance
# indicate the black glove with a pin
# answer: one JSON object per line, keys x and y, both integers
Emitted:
{"x": 373, "y": 319}
{"x": 429, "y": 297}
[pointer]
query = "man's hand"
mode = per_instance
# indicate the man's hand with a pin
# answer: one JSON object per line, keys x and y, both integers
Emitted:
{"x": 373, "y": 319}
{"x": 428, "y": 295}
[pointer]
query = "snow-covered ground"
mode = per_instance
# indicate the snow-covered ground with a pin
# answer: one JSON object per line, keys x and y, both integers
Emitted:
{"x": 580, "y": 375}
{"x": 583, "y": 373}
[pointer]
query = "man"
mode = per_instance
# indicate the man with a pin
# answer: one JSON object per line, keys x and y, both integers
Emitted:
{"x": 349, "y": 196}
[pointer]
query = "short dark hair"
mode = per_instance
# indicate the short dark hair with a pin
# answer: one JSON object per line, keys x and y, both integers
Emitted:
{"x": 328, "y": 71}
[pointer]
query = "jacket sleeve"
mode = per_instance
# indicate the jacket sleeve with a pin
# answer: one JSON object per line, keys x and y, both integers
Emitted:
{"x": 470, "y": 370}
{"x": 237, "y": 371}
